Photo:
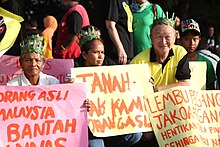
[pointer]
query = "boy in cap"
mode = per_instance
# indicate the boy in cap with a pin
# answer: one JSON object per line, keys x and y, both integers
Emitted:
{"x": 189, "y": 39}
{"x": 32, "y": 62}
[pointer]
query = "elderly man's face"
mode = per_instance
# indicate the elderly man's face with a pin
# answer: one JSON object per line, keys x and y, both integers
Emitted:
{"x": 163, "y": 38}
{"x": 32, "y": 64}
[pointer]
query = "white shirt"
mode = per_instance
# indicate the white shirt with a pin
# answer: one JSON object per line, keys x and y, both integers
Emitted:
{"x": 21, "y": 80}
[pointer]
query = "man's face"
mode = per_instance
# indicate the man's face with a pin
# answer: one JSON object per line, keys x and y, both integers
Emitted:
{"x": 210, "y": 31}
{"x": 190, "y": 42}
{"x": 32, "y": 64}
{"x": 163, "y": 38}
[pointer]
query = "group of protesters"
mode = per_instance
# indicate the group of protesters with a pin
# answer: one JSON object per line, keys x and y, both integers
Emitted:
{"x": 135, "y": 32}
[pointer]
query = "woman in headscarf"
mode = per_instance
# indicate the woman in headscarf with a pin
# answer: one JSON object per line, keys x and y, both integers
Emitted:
{"x": 50, "y": 24}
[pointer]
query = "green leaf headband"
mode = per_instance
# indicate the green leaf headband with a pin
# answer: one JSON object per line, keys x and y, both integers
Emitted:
{"x": 89, "y": 33}
{"x": 33, "y": 44}
{"x": 165, "y": 21}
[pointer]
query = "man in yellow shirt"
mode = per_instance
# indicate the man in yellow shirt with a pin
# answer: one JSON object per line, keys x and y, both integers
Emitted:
{"x": 168, "y": 63}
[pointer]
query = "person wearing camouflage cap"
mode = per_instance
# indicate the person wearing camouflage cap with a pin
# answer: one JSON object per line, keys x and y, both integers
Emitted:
{"x": 32, "y": 62}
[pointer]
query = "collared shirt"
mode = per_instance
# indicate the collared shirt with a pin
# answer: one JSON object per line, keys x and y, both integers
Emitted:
{"x": 153, "y": 57}
{"x": 21, "y": 80}
{"x": 175, "y": 68}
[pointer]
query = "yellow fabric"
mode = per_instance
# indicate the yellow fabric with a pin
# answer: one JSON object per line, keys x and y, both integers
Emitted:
{"x": 129, "y": 15}
{"x": 13, "y": 27}
{"x": 168, "y": 75}
{"x": 48, "y": 51}
{"x": 50, "y": 24}
{"x": 6, "y": 13}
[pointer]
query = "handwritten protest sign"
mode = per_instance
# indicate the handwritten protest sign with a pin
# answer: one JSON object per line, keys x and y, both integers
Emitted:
{"x": 198, "y": 74}
{"x": 10, "y": 68}
{"x": 43, "y": 116}
{"x": 116, "y": 95}
{"x": 184, "y": 117}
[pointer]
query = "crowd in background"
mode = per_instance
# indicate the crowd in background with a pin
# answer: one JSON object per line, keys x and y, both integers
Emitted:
{"x": 36, "y": 9}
